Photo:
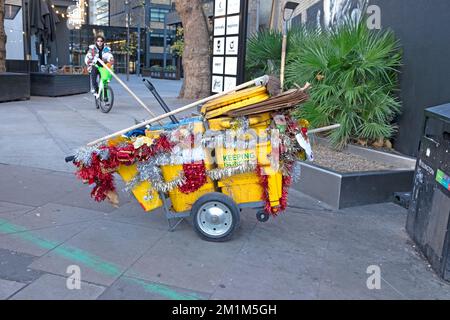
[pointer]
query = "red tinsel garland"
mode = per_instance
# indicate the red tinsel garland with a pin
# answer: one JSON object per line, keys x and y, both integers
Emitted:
{"x": 159, "y": 145}
{"x": 195, "y": 174}
{"x": 162, "y": 144}
{"x": 286, "y": 184}
{"x": 292, "y": 128}
{"x": 102, "y": 187}
{"x": 264, "y": 182}
{"x": 125, "y": 155}
{"x": 99, "y": 172}
{"x": 113, "y": 160}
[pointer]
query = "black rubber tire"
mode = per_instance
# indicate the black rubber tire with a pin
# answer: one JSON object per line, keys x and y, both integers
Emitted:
{"x": 262, "y": 216}
{"x": 104, "y": 107}
{"x": 225, "y": 200}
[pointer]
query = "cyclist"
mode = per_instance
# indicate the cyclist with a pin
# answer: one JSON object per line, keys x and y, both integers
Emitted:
{"x": 98, "y": 51}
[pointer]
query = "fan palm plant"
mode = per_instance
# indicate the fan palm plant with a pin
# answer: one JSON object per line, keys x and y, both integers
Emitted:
{"x": 264, "y": 50}
{"x": 353, "y": 72}
{"x": 263, "y": 54}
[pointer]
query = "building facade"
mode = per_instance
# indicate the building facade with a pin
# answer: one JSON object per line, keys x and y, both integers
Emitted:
{"x": 117, "y": 20}
{"x": 14, "y": 30}
{"x": 149, "y": 40}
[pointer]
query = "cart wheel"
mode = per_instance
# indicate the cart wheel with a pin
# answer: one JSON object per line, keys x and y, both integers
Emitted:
{"x": 262, "y": 216}
{"x": 215, "y": 217}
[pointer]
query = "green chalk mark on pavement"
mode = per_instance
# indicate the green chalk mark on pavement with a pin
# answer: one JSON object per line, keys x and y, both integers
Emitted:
{"x": 67, "y": 252}
{"x": 6, "y": 227}
{"x": 24, "y": 234}
{"x": 165, "y": 291}
{"x": 89, "y": 260}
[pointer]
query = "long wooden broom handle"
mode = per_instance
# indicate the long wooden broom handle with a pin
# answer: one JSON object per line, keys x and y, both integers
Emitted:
{"x": 126, "y": 88}
{"x": 258, "y": 81}
{"x": 323, "y": 129}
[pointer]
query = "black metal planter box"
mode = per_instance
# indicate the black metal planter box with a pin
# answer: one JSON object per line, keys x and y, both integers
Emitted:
{"x": 14, "y": 86}
{"x": 55, "y": 85}
{"x": 344, "y": 190}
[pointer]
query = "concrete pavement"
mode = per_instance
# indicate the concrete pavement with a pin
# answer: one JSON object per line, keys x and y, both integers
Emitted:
{"x": 42, "y": 131}
{"x": 49, "y": 224}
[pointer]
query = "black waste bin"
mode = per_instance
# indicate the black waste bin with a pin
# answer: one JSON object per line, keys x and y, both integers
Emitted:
{"x": 429, "y": 210}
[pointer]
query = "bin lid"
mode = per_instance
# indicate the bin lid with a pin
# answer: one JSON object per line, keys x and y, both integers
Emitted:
{"x": 441, "y": 112}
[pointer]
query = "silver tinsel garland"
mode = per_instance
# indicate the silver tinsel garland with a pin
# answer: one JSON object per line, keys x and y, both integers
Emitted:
{"x": 150, "y": 171}
{"x": 290, "y": 157}
{"x": 229, "y": 139}
{"x": 220, "y": 173}
{"x": 132, "y": 183}
{"x": 84, "y": 154}
{"x": 171, "y": 185}
{"x": 242, "y": 123}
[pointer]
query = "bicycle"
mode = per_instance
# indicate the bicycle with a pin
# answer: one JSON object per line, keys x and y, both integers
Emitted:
{"x": 104, "y": 98}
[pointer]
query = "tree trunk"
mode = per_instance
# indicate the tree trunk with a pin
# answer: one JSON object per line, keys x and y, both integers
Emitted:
{"x": 196, "y": 49}
{"x": 2, "y": 37}
{"x": 253, "y": 17}
{"x": 274, "y": 23}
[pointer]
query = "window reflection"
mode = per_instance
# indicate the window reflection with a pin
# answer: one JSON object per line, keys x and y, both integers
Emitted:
{"x": 99, "y": 12}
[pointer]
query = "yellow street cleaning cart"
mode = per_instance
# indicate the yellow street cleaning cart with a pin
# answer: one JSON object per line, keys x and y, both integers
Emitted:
{"x": 209, "y": 167}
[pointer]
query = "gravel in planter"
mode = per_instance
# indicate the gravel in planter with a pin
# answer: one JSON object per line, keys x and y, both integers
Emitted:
{"x": 345, "y": 162}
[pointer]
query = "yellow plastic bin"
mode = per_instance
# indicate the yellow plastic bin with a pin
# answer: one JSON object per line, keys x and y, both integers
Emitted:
{"x": 246, "y": 188}
{"x": 181, "y": 201}
{"x": 246, "y": 102}
{"x": 228, "y": 157}
{"x": 243, "y": 188}
{"x": 233, "y": 98}
{"x": 232, "y": 157}
{"x": 275, "y": 185}
{"x": 147, "y": 196}
{"x": 260, "y": 121}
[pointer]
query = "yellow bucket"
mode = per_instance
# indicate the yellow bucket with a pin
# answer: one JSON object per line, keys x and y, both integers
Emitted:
{"x": 148, "y": 200}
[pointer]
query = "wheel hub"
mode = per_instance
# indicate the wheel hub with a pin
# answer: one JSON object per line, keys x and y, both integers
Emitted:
{"x": 214, "y": 218}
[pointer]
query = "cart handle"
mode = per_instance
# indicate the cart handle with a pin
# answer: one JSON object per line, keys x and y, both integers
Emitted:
{"x": 70, "y": 159}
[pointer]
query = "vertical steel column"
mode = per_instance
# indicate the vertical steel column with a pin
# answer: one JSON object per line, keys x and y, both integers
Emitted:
{"x": 138, "y": 53}
{"x": 127, "y": 13}
{"x": 147, "y": 32}
{"x": 165, "y": 42}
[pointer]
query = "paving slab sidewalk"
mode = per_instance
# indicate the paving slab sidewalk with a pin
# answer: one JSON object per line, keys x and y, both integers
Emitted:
{"x": 49, "y": 224}
{"x": 308, "y": 252}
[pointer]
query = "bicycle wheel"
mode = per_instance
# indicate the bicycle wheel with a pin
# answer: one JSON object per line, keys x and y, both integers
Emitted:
{"x": 106, "y": 100}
